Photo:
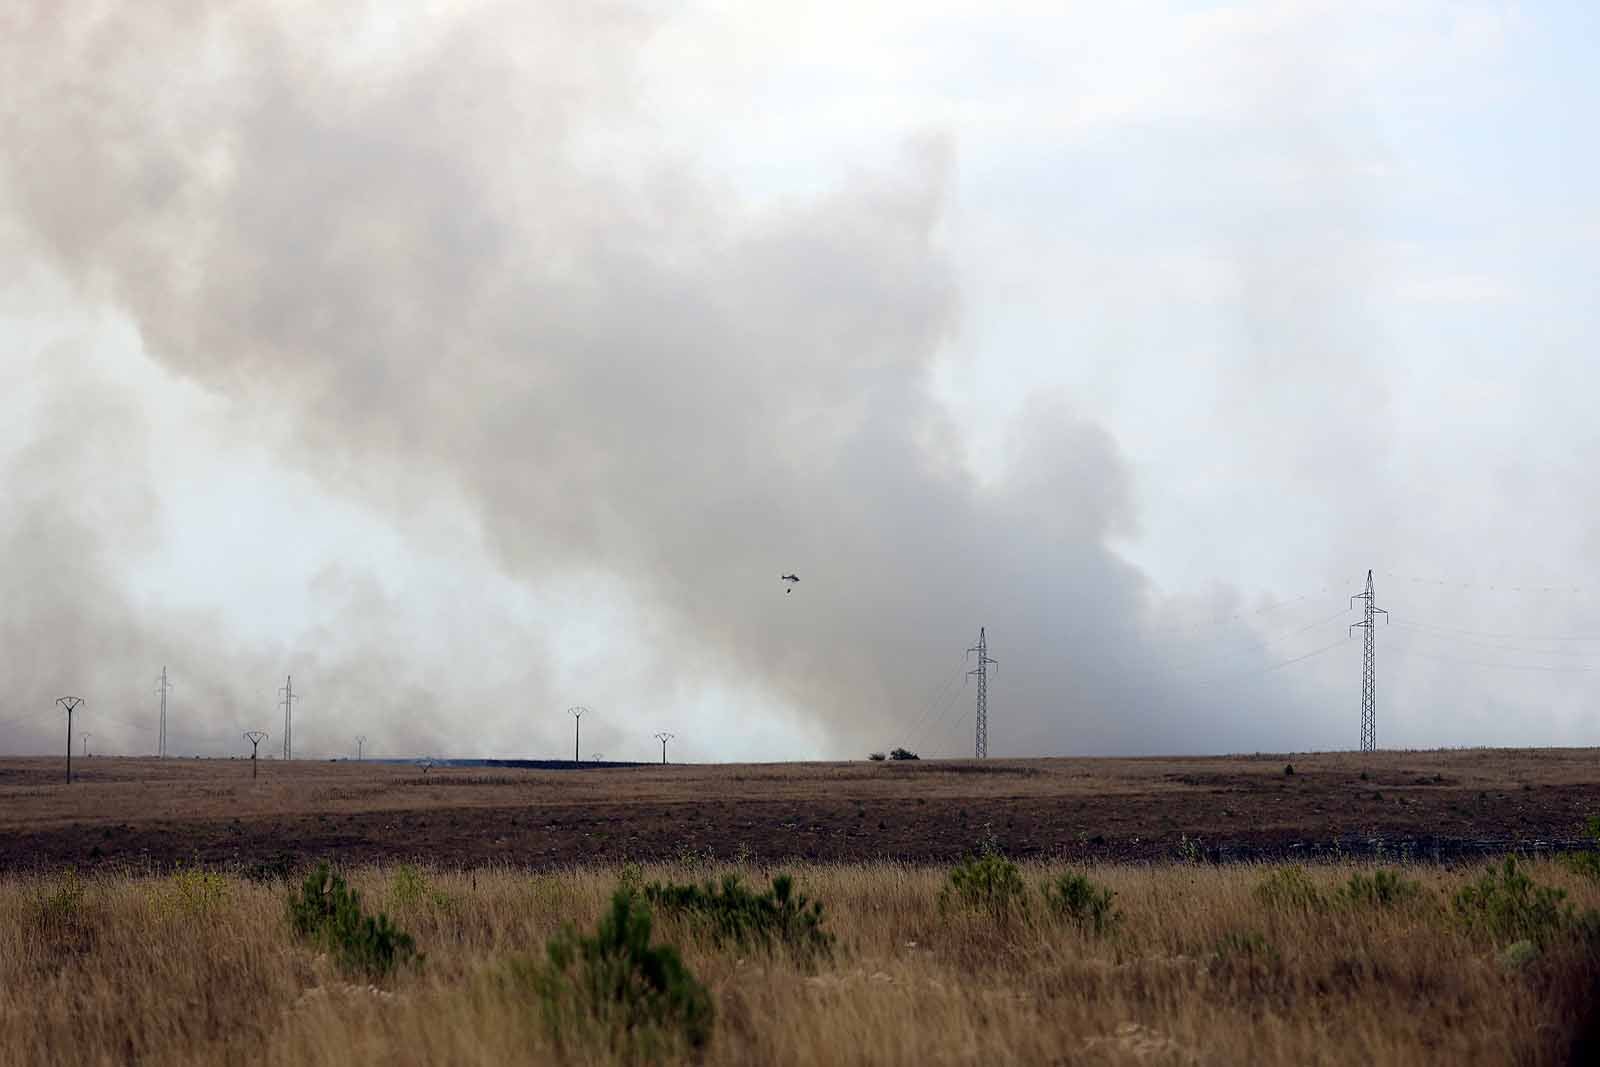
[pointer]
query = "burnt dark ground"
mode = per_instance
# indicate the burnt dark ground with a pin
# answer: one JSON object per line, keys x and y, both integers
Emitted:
{"x": 1441, "y": 806}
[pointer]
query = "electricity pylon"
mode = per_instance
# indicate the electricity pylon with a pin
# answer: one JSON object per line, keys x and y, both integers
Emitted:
{"x": 287, "y": 692}
{"x": 163, "y": 687}
{"x": 664, "y": 737}
{"x": 1369, "y": 665}
{"x": 982, "y": 671}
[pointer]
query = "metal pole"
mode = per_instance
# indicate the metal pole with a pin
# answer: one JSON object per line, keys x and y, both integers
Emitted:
{"x": 255, "y": 737}
{"x": 71, "y": 704}
{"x": 577, "y": 711}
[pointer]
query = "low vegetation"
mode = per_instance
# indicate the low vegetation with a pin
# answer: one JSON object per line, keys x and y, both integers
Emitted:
{"x": 992, "y": 960}
{"x": 617, "y": 990}
{"x": 327, "y": 913}
{"x": 1073, "y": 897}
{"x": 731, "y": 913}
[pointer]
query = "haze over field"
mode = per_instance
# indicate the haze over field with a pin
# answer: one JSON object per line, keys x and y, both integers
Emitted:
{"x": 472, "y": 364}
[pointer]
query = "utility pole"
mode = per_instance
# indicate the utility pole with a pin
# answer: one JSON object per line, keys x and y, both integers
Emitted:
{"x": 576, "y": 711}
{"x": 982, "y": 671}
{"x": 85, "y": 738}
{"x": 288, "y": 715}
{"x": 72, "y": 704}
{"x": 361, "y": 739}
{"x": 255, "y": 737}
{"x": 664, "y": 737}
{"x": 1369, "y": 665}
{"x": 163, "y": 687}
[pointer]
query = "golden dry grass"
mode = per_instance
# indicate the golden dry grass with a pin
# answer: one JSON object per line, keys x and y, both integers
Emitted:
{"x": 141, "y": 972}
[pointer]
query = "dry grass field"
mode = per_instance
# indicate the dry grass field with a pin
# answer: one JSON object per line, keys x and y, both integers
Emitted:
{"x": 1204, "y": 966}
{"x": 1446, "y": 804}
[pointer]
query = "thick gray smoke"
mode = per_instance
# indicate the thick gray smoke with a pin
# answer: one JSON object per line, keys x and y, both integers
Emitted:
{"x": 450, "y": 261}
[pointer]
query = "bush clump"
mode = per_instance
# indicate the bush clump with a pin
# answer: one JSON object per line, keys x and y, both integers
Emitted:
{"x": 902, "y": 754}
{"x": 1586, "y": 864}
{"x": 411, "y": 889}
{"x": 876, "y": 757}
{"x": 988, "y": 883}
{"x": 191, "y": 893}
{"x": 1290, "y": 889}
{"x": 1380, "y": 889}
{"x": 731, "y": 912}
{"x": 1087, "y": 906}
{"x": 327, "y": 912}
{"x": 1506, "y": 905}
{"x": 638, "y": 998}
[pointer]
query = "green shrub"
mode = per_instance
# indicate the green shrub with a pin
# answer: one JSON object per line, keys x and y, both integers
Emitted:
{"x": 1289, "y": 889}
{"x": 1087, "y": 906}
{"x": 327, "y": 912}
{"x": 1244, "y": 945}
{"x": 1506, "y": 905}
{"x": 988, "y": 883}
{"x": 902, "y": 754}
{"x": 638, "y": 998}
{"x": 61, "y": 917}
{"x": 190, "y": 893}
{"x": 732, "y": 913}
{"x": 1586, "y": 864}
{"x": 876, "y": 757}
{"x": 63, "y": 903}
{"x": 1380, "y": 889}
{"x": 1191, "y": 850}
{"x": 410, "y": 888}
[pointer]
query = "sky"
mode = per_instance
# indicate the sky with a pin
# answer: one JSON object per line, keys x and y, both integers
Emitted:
{"x": 470, "y": 362}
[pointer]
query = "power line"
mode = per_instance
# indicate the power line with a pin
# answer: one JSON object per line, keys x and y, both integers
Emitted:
{"x": 1262, "y": 610}
{"x": 1495, "y": 646}
{"x": 1276, "y": 666}
{"x": 1513, "y": 636}
{"x": 1261, "y": 644}
{"x": 1552, "y": 669}
{"x": 1498, "y": 587}
{"x": 946, "y": 692}
{"x": 944, "y": 716}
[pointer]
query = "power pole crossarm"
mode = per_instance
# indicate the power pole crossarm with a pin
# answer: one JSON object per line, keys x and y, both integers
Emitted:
{"x": 1369, "y": 664}
{"x": 982, "y": 671}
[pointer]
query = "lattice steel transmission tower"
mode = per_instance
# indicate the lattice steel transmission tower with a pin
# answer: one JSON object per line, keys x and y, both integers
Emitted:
{"x": 163, "y": 687}
{"x": 982, "y": 671}
{"x": 1369, "y": 666}
{"x": 288, "y": 715}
